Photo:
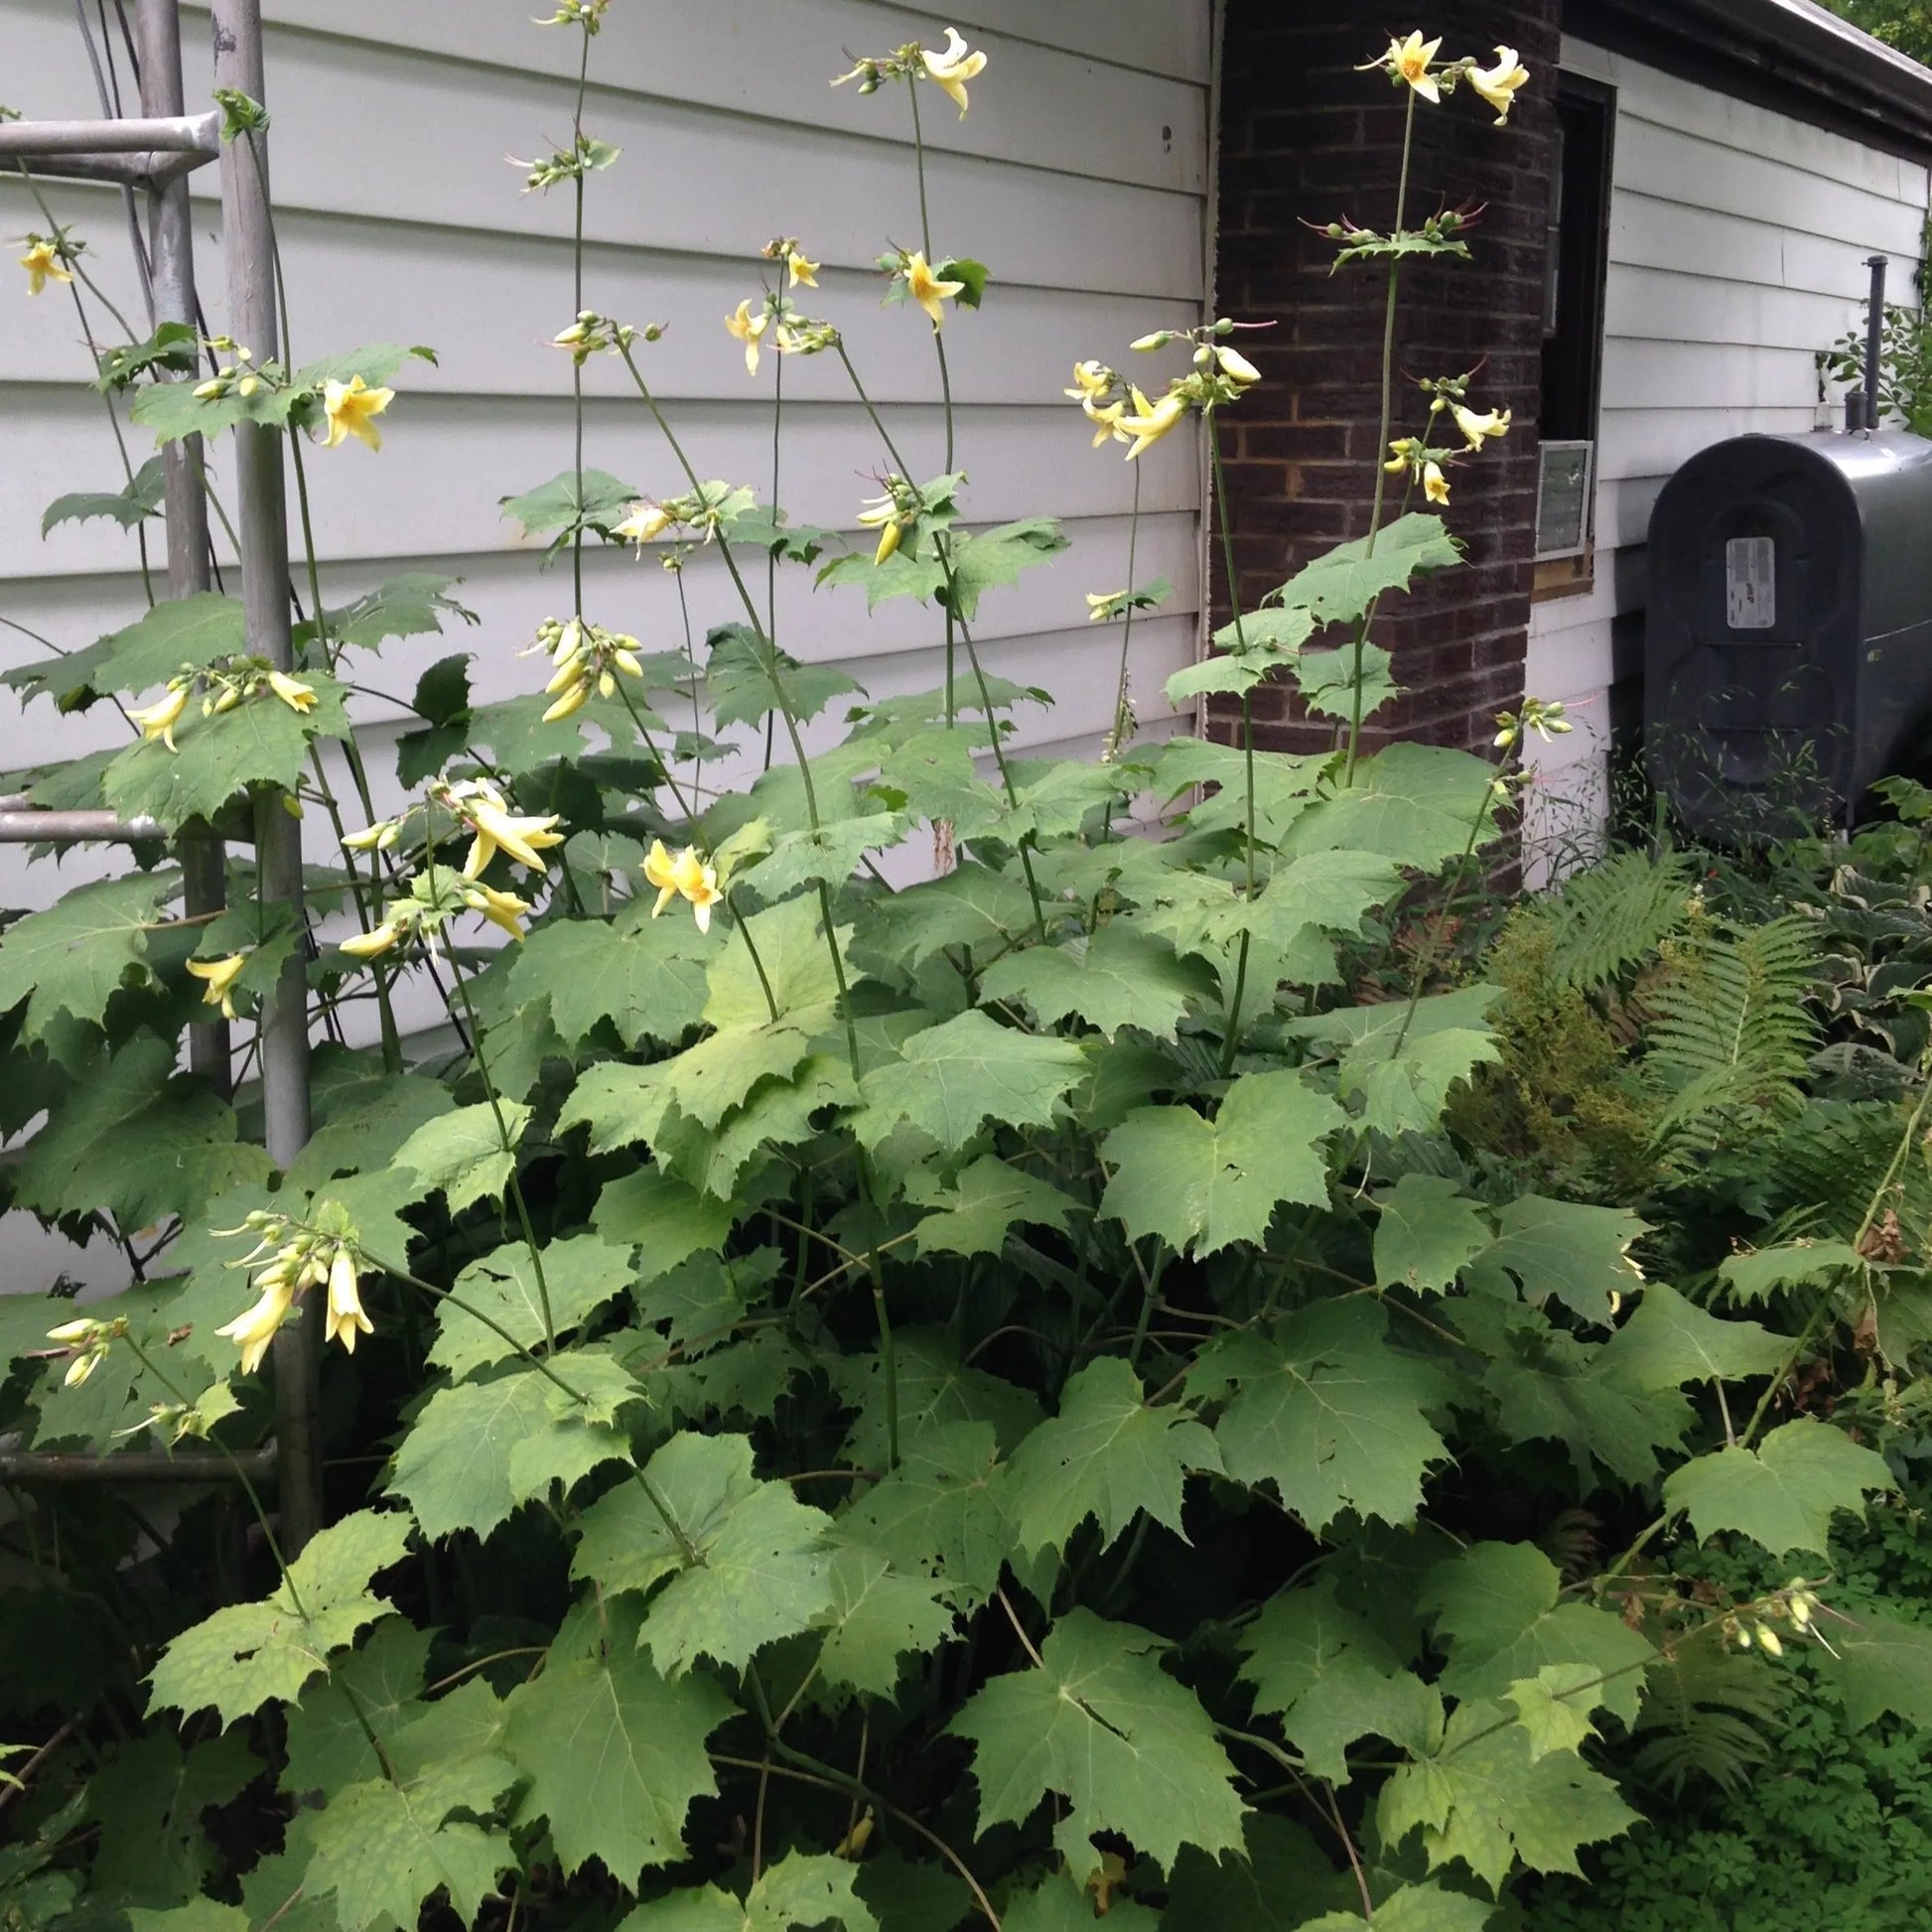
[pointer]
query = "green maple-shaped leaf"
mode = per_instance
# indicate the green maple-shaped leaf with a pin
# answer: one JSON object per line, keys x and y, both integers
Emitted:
{"x": 1783, "y": 1494}
{"x": 665, "y": 1221}
{"x": 939, "y": 1514}
{"x": 481, "y": 1449}
{"x": 802, "y": 1889}
{"x": 935, "y": 1387}
{"x": 1563, "y": 1250}
{"x": 746, "y": 1561}
{"x": 73, "y": 957}
{"x": 1881, "y": 1665}
{"x": 1546, "y": 1385}
{"x": 1057, "y": 1904}
{"x": 1107, "y": 1456}
{"x": 646, "y": 976}
{"x": 148, "y": 1800}
{"x": 262, "y": 740}
{"x": 1125, "y": 1748}
{"x": 1327, "y": 1411}
{"x": 250, "y": 1654}
{"x": 973, "y": 1215}
{"x": 746, "y": 676}
{"x": 797, "y": 963}
{"x": 383, "y": 1849}
{"x": 1402, "y": 1066}
{"x": 1554, "y": 1706}
{"x": 133, "y": 504}
{"x": 975, "y": 909}
{"x": 879, "y": 1616}
{"x": 615, "y": 1754}
{"x": 517, "y": 739}
{"x": 410, "y": 605}
{"x": 1122, "y": 977}
{"x": 1757, "y": 1276}
{"x": 1498, "y": 1607}
{"x": 137, "y": 1141}
{"x": 1486, "y": 1799}
{"x": 183, "y": 631}
{"x": 995, "y": 558}
{"x": 1670, "y": 1340}
{"x": 1331, "y": 1678}
{"x": 1428, "y": 1230}
{"x": 578, "y": 499}
{"x": 327, "y": 1746}
{"x": 950, "y": 1078}
{"x": 580, "y": 1275}
{"x": 461, "y": 1155}
{"x": 1414, "y": 1908}
{"x": 1209, "y": 1183}
{"x": 1341, "y": 584}
{"x": 1271, "y": 1884}
{"x": 362, "y": 1115}
{"x": 1413, "y": 803}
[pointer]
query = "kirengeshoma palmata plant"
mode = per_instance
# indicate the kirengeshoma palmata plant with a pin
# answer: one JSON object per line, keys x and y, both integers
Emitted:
{"x": 996, "y": 1398}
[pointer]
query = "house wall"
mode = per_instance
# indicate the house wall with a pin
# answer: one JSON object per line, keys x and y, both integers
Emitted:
{"x": 1736, "y": 250}
{"x": 1080, "y": 176}
{"x": 1306, "y": 139}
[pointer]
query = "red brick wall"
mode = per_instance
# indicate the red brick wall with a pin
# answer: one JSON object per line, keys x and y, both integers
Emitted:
{"x": 1303, "y": 137}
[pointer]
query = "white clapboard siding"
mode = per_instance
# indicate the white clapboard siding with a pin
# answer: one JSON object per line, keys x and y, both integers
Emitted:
{"x": 1080, "y": 176}
{"x": 1737, "y": 245}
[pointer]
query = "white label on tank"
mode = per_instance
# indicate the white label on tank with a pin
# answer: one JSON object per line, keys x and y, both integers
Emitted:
{"x": 1751, "y": 583}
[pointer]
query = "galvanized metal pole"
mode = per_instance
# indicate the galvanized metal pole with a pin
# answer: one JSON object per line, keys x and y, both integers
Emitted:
{"x": 171, "y": 250}
{"x": 249, "y": 246}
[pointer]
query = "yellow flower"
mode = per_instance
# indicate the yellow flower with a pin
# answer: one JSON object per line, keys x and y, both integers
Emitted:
{"x": 952, "y": 67}
{"x": 42, "y": 265}
{"x": 1091, "y": 382}
{"x": 1409, "y": 60}
{"x": 292, "y": 691}
{"x": 1106, "y": 419}
{"x": 495, "y": 826}
{"x": 1434, "y": 486}
{"x": 1100, "y": 604}
{"x": 646, "y": 520}
{"x": 925, "y": 288}
{"x": 1498, "y": 85}
{"x": 71, "y": 1333}
{"x": 346, "y": 1316}
{"x": 351, "y": 408}
{"x": 1150, "y": 421}
{"x": 887, "y": 542}
{"x": 749, "y": 328}
{"x": 881, "y": 514}
{"x": 803, "y": 273}
{"x": 687, "y": 876}
{"x": 503, "y": 910}
{"x": 220, "y": 975}
{"x": 159, "y": 720}
{"x": 370, "y": 945}
{"x": 1478, "y": 429}
{"x": 378, "y": 837}
{"x": 253, "y": 1331}
{"x": 1236, "y": 366}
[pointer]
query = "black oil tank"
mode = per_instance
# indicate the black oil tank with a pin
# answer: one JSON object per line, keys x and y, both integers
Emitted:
{"x": 1788, "y": 640}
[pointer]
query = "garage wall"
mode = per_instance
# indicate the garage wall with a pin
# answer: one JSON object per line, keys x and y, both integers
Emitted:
{"x": 1737, "y": 245}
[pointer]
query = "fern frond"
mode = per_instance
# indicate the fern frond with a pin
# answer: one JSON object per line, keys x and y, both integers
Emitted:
{"x": 1701, "y": 1709}
{"x": 1731, "y": 1030}
{"x": 1614, "y": 915}
{"x": 1821, "y": 1170}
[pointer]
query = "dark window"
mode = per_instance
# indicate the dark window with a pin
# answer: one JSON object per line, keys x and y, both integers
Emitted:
{"x": 1580, "y": 224}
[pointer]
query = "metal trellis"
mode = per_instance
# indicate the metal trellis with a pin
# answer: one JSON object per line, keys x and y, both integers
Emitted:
{"x": 156, "y": 152}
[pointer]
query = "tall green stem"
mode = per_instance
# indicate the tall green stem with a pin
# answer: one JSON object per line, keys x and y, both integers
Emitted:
{"x": 577, "y": 309}
{"x": 1388, "y": 411}
{"x": 1230, "y": 1042}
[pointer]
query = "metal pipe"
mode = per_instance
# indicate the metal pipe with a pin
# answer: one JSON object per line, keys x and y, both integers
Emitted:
{"x": 143, "y": 170}
{"x": 171, "y": 249}
{"x": 28, "y": 827}
{"x": 195, "y": 134}
{"x": 248, "y": 239}
{"x": 1875, "y": 340}
{"x": 30, "y": 1466}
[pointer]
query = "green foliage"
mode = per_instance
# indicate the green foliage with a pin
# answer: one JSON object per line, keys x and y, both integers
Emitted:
{"x": 1182, "y": 1379}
